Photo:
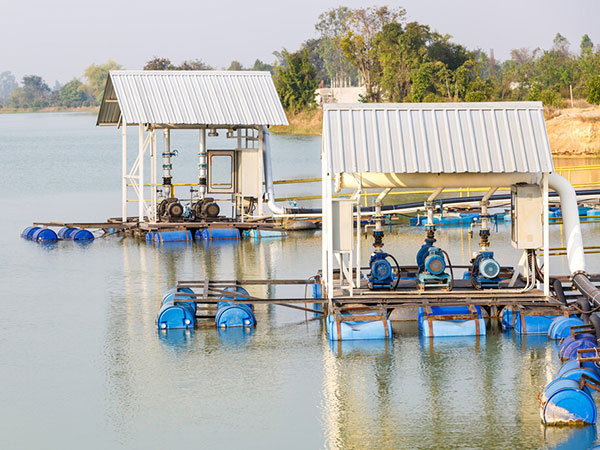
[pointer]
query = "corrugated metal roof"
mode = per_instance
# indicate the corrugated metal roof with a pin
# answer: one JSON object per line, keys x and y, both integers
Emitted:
{"x": 494, "y": 137}
{"x": 192, "y": 97}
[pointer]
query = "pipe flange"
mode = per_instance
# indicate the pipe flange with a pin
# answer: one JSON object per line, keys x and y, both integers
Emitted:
{"x": 578, "y": 272}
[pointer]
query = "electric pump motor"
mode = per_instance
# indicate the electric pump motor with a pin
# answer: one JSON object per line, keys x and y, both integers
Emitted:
{"x": 432, "y": 262}
{"x": 170, "y": 208}
{"x": 206, "y": 208}
{"x": 485, "y": 271}
{"x": 382, "y": 274}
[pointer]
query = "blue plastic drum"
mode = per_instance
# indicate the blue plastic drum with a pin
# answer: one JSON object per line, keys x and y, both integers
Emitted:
{"x": 180, "y": 315}
{"x": 44, "y": 235}
{"x": 574, "y": 364}
{"x": 233, "y": 290}
{"x": 234, "y": 316}
{"x": 561, "y": 327}
{"x": 569, "y": 351}
{"x": 66, "y": 232}
{"x": 509, "y": 316}
{"x": 562, "y": 402}
{"x": 82, "y": 235}
{"x": 28, "y": 232}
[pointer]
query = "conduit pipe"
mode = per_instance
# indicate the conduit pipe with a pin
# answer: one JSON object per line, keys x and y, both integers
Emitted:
{"x": 275, "y": 209}
{"x": 572, "y": 232}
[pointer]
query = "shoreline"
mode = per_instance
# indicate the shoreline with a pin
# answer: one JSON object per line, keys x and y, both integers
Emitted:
{"x": 48, "y": 109}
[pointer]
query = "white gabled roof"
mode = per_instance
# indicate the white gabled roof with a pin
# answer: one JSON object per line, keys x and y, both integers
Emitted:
{"x": 191, "y": 97}
{"x": 494, "y": 137}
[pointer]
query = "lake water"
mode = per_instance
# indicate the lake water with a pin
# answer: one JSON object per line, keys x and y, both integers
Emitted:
{"x": 82, "y": 364}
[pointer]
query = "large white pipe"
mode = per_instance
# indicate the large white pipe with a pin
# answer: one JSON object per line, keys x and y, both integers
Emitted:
{"x": 571, "y": 224}
{"x": 275, "y": 209}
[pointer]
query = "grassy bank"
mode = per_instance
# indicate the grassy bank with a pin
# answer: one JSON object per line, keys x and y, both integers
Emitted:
{"x": 309, "y": 122}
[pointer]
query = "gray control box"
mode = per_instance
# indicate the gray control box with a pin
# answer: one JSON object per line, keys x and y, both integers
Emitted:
{"x": 526, "y": 215}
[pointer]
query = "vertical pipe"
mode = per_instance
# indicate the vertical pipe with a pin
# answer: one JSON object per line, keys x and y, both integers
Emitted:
{"x": 358, "y": 232}
{"x": 167, "y": 181}
{"x": 153, "y": 176}
{"x": 124, "y": 172}
{"x": 141, "y": 173}
{"x": 259, "y": 175}
{"x": 202, "y": 188}
{"x": 546, "y": 228}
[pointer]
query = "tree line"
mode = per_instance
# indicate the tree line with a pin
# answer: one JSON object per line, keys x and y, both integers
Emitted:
{"x": 376, "y": 47}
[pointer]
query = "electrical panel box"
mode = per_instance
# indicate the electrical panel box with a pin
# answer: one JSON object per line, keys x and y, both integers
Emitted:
{"x": 249, "y": 172}
{"x": 526, "y": 214}
{"x": 342, "y": 216}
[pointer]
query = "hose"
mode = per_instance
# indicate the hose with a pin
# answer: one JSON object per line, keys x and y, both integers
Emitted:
{"x": 451, "y": 269}
{"x": 584, "y": 304}
{"x": 398, "y": 269}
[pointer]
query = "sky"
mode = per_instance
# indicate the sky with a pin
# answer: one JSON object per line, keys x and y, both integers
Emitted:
{"x": 58, "y": 39}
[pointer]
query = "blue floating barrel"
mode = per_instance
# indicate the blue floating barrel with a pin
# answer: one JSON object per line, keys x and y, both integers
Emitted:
{"x": 218, "y": 233}
{"x": 44, "y": 235}
{"x": 533, "y": 324}
{"x": 587, "y": 336}
{"x": 561, "y": 326}
{"x": 440, "y": 327}
{"x": 266, "y": 234}
{"x": 176, "y": 314}
{"x": 563, "y": 403}
{"x": 569, "y": 351}
{"x": 234, "y": 290}
{"x": 169, "y": 294}
{"x": 28, "y": 232}
{"x": 229, "y": 315}
{"x": 576, "y": 374}
{"x": 509, "y": 316}
{"x": 172, "y": 236}
{"x": 575, "y": 364}
{"x": 66, "y": 232}
{"x": 351, "y": 330}
{"x": 82, "y": 235}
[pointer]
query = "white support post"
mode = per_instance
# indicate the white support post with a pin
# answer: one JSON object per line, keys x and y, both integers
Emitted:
{"x": 546, "y": 230}
{"x": 124, "y": 172}
{"x": 153, "y": 176}
{"x": 141, "y": 173}
{"x": 358, "y": 233}
{"x": 324, "y": 232}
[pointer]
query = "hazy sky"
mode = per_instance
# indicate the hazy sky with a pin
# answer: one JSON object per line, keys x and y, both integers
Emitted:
{"x": 57, "y": 39}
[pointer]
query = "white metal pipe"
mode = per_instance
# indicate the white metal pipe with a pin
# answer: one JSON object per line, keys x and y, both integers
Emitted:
{"x": 546, "y": 231}
{"x": 266, "y": 141}
{"x": 153, "y": 172}
{"x": 571, "y": 225}
{"x": 167, "y": 166}
{"x": 435, "y": 194}
{"x": 485, "y": 201}
{"x": 141, "y": 173}
{"x": 124, "y": 173}
{"x": 444, "y": 180}
{"x": 202, "y": 188}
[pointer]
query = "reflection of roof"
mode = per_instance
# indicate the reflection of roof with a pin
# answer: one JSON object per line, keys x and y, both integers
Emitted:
{"x": 495, "y": 137}
{"x": 192, "y": 97}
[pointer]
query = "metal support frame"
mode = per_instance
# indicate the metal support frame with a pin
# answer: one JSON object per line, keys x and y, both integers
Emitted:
{"x": 546, "y": 231}
{"x": 135, "y": 175}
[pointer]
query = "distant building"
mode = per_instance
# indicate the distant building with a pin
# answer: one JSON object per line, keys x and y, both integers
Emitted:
{"x": 340, "y": 95}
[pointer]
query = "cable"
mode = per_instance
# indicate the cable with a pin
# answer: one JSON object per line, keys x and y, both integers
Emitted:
{"x": 397, "y": 268}
{"x": 451, "y": 269}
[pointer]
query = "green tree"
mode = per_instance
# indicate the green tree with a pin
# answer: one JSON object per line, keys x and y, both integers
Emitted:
{"x": 296, "y": 82}
{"x": 194, "y": 64}
{"x": 261, "y": 66}
{"x": 8, "y": 83}
{"x": 235, "y": 65}
{"x": 359, "y": 47}
{"x": 74, "y": 95}
{"x": 96, "y": 78}
{"x": 332, "y": 27}
{"x": 586, "y": 44}
{"x": 593, "y": 90}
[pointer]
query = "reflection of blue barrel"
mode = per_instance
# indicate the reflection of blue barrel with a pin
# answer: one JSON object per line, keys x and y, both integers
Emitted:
{"x": 230, "y": 315}
{"x": 574, "y": 364}
{"x": 561, "y": 326}
{"x": 569, "y": 350}
{"x": 176, "y": 314}
{"x": 28, "y": 232}
{"x": 44, "y": 235}
{"x": 563, "y": 402}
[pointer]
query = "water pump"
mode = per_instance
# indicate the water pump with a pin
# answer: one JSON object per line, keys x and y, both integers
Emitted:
{"x": 432, "y": 262}
{"x": 382, "y": 274}
{"x": 485, "y": 271}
